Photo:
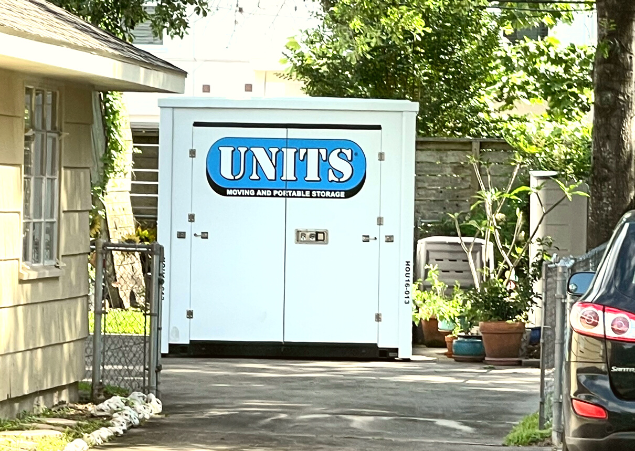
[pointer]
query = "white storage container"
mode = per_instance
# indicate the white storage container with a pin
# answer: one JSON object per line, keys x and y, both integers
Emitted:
{"x": 287, "y": 226}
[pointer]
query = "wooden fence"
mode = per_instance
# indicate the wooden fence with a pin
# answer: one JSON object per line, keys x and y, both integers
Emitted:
{"x": 445, "y": 179}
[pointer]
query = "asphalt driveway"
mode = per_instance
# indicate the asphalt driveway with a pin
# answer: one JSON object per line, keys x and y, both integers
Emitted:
{"x": 427, "y": 403}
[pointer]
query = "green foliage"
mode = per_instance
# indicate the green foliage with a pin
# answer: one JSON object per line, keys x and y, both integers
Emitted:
{"x": 545, "y": 72}
{"x": 420, "y": 50}
{"x": 505, "y": 292}
{"x": 121, "y": 322}
{"x": 527, "y": 433}
{"x": 495, "y": 301}
{"x": 146, "y": 235}
{"x": 545, "y": 145}
{"x": 120, "y": 17}
{"x": 434, "y": 302}
{"x": 109, "y": 390}
{"x": 447, "y": 55}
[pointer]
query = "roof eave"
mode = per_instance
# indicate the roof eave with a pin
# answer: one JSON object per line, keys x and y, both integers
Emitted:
{"x": 103, "y": 73}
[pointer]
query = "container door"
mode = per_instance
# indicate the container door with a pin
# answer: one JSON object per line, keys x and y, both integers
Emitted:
{"x": 332, "y": 239}
{"x": 237, "y": 257}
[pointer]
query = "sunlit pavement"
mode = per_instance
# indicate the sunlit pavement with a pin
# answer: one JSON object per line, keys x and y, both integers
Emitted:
{"x": 429, "y": 403}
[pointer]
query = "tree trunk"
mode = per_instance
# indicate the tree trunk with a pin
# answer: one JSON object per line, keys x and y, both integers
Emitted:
{"x": 613, "y": 168}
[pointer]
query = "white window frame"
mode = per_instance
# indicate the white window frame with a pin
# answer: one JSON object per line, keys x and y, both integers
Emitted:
{"x": 46, "y": 178}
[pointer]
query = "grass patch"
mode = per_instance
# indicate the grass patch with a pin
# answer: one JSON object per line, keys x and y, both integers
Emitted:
{"x": 25, "y": 423}
{"x": 527, "y": 433}
{"x": 121, "y": 322}
{"x": 109, "y": 390}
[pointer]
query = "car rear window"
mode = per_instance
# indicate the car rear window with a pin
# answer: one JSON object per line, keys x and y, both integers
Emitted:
{"x": 625, "y": 264}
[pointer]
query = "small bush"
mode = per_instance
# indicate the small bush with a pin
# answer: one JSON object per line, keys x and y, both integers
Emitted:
{"x": 527, "y": 433}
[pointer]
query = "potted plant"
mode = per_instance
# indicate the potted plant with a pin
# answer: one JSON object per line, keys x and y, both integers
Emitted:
{"x": 435, "y": 310}
{"x": 467, "y": 347}
{"x": 503, "y": 295}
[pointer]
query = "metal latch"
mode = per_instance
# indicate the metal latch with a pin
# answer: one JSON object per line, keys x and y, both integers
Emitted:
{"x": 381, "y": 156}
{"x": 189, "y": 314}
{"x": 181, "y": 235}
{"x": 192, "y": 153}
{"x": 312, "y": 236}
{"x": 191, "y": 217}
{"x": 390, "y": 238}
{"x": 378, "y": 317}
{"x": 203, "y": 235}
{"x": 367, "y": 238}
{"x": 380, "y": 220}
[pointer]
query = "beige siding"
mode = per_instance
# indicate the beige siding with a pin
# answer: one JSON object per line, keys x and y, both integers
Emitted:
{"x": 10, "y": 242}
{"x": 11, "y": 189}
{"x": 11, "y": 95}
{"x": 11, "y": 144}
{"x": 44, "y": 368}
{"x": 77, "y": 146}
{"x": 78, "y": 106}
{"x": 39, "y": 325}
{"x": 75, "y": 239}
{"x": 43, "y": 322}
{"x": 75, "y": 195}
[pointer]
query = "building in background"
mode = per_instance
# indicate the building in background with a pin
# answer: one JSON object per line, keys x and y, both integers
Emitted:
{"x": 234, "y": 52}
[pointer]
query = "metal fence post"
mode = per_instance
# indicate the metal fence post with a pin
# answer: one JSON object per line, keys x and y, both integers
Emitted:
{"x": 561, "y": 299}
{"x": 153, "y": 366}
{"x": 541, "y": 410}
{"x": 97, "y": 334}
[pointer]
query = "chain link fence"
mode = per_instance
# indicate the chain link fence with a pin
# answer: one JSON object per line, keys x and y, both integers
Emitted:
{"x": 555, "y": 330}
{"x": 123, "y": 348}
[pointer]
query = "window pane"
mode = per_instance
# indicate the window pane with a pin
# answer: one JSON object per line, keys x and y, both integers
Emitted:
{"x": 36, "y": 254}
{"x": 28, "y": 112}
{"x": 38, "y": 185}
{"x": 38, "y": 154}
{"x": 51, "y": 156}
{"x": 49, "y": 207}
{"x": 39, "y": 105}
{"x": 28, "y": 156}
{"x": 27, "y": 199}
{"x": 49, "y": 242}
{"x": 26, "y": 239}
{"x": 51, "y": 113}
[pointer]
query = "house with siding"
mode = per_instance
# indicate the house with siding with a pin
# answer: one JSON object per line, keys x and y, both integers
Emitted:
{"x": 52, "y": 64}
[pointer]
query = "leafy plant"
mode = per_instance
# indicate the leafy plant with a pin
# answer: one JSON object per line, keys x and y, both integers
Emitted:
{"x": 527, "y": 433}
{"x": 434, "y": 302}
{"x": 504, "y": 293}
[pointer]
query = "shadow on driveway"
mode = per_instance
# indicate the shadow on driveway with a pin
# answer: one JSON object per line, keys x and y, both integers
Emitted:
{"x": 248, "y": 404}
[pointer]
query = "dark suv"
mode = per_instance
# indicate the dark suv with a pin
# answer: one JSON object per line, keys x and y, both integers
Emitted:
{"x": 599, "y": 395}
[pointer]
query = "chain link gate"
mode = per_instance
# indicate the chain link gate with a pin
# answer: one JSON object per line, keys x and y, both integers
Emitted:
{"x": 555, "y": 332}
{"x": 123, "y": 348}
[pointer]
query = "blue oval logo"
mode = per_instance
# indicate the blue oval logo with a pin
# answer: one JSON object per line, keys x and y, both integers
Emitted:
{"x": 279, "y": 167}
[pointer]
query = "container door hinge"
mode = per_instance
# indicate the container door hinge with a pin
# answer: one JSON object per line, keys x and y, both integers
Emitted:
{"x": 191, "y": 217}
{"x": 378, "y": 317}
{"x": 381, "y": 156}
{"x": 380, "y": 220}
{"x": 192, "y": 153}
{"x": 189, "y": 314}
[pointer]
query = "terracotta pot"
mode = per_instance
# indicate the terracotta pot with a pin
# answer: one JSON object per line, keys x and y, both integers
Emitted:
{"x": 448, "y": 342}
{"x": 432, "y": 337}
{"x": 502, "y": 340}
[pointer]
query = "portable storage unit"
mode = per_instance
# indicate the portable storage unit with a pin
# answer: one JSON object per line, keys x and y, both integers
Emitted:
{"x": 288, "y": 226}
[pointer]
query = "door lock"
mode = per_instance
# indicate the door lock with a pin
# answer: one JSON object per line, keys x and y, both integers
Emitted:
{"x": 367, "y": 238}
{"x": 203, "y": 235}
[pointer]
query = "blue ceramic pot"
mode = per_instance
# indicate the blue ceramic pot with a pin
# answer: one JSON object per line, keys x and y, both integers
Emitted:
{"x": 534, "y": 337}
{"x": 468, "y": 350}
{"x": 446, "y": 325}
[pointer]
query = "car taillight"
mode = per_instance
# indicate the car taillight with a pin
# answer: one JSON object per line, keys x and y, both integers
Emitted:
{"x": 604, "y": 322}
{"x": 619, "y": 325}
{"x": 588, "y": 410}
